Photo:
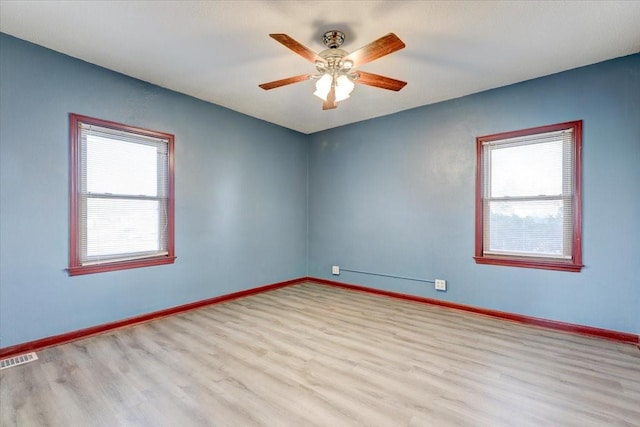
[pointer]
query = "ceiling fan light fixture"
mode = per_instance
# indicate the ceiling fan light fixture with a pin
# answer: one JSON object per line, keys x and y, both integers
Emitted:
{"x": 343, "y": 87}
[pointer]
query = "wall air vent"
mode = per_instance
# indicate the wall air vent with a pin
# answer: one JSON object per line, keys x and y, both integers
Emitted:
{"x": 17, "y": 360}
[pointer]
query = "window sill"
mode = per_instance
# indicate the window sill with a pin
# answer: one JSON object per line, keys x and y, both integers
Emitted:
{"x": 539, "y": 263}
{"x": 122, "y": 265}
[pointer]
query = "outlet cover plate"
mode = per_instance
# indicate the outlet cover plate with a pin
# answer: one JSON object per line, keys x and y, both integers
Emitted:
{"x": 441, "y": 285}
{"x": 335, "y": 270}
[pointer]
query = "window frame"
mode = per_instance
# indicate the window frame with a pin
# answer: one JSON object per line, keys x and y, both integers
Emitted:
{"x": 76, "y": 267}
{"x": 574, "y": 263}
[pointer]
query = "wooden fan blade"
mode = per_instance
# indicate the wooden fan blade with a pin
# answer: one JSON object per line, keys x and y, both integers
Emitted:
{"x": 374, "y": 50}
{"x": 331, "y": 100}
{"x": 301, "y": 50}
{"x": 284, "y": 82}
{"x": 376, "y": 80}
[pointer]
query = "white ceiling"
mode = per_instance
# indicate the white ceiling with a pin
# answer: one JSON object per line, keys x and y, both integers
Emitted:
{"x": 219, "y": 51}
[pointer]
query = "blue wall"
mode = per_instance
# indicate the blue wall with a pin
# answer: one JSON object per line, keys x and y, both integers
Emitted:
{"x": 241, "y": 183}
{"x": 395, "y": 195}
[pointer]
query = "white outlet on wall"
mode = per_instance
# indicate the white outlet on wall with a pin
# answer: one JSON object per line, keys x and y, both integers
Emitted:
{"x": 335, "y": 270}
{"x": 441, "y": 285}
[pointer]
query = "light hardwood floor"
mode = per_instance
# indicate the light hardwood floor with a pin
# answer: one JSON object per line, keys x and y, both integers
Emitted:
{"x": 314, "y": 355}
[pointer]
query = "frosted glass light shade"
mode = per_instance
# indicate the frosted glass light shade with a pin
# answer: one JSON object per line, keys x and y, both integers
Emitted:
{"x": 344, "y": 87}
{"x": 323, "y": 86}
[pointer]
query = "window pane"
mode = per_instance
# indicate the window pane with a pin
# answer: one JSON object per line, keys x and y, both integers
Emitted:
{"x": 526, "y": 227}
{"x": 526, "y": 170}
{"x": 120, "y": 167}
{"x": 116, "y": 226}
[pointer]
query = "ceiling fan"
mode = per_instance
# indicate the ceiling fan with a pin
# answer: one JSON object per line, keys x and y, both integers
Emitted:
{"x": 335, "y": 67}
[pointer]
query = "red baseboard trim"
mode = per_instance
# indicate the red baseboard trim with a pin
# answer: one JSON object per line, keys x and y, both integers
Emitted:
{"x": 551, "y": 324}
{"x": 51, "y": 341}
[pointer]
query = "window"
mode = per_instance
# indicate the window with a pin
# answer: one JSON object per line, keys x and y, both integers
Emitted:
{"x": 121, "y": 197}
{"x": 528, "y": 198}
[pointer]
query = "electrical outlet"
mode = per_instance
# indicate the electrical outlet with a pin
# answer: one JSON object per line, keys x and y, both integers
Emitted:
{"x": 441, "y": 285}
{"x": 335, "y": 270}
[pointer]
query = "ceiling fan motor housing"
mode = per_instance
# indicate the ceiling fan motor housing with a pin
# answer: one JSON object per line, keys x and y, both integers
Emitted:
{"x": 333, "y": 58}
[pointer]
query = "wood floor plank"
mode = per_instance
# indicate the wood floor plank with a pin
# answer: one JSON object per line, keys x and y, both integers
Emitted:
{"x": 316, "y": 355}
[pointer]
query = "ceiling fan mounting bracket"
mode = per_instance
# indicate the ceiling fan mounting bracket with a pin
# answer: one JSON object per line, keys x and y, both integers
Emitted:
{"x": 333, "y": 39}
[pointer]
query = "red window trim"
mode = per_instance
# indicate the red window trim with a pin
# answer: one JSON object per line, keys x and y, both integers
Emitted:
{"x": 75, "y": 267}
{"x": 575, "y": 263}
